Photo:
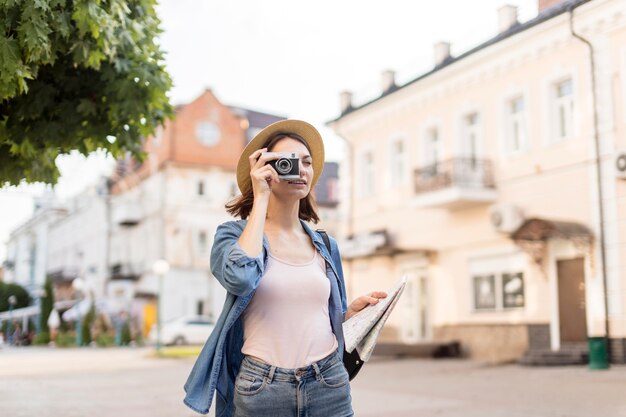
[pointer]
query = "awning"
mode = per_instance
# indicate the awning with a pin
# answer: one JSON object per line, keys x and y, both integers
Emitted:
{"x": 19, "y": 313}
{"x": 375, "y": 243}
{"x": 537, "y": 229}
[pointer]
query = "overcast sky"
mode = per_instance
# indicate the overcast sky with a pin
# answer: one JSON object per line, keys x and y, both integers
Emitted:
{"x": 291, "y": 58}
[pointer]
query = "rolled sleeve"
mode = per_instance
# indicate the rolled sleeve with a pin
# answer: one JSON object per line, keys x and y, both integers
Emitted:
{"x": 237, "y": 272}
{"x": 240, "y": 258}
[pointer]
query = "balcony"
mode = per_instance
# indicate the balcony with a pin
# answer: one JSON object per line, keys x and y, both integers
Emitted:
{"x": 126, "y": 214}
{"x": 456, "y": 183}
{"x": 125, "y": 271}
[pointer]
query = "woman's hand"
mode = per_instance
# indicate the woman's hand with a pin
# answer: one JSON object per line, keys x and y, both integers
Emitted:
{"x": 262, "y": 175}
{"x": 362, "y": 302}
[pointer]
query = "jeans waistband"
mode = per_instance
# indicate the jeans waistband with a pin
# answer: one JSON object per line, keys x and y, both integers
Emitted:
{"x": 270, "y": 372}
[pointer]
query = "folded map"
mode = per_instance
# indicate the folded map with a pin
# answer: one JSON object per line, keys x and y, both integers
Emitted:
{"x": 361, "y": 330}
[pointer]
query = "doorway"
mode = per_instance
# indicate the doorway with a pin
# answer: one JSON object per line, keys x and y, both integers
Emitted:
{"x": 572, "y": 305}
{"x": 415, "y": 325}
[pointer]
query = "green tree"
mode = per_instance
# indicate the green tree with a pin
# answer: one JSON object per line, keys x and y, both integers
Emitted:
{"x": 47, "y": 304}
{"x": 87, "y": 324}
{"x": 77, "y": 74}
{"x": 20, "y": 293}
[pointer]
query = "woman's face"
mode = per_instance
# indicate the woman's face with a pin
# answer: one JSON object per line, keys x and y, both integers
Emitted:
{"x": 296, "y": 189}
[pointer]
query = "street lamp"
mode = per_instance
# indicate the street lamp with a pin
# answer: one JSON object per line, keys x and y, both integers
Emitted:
{"x": 79, "y": 285}
{"x": 12, "y": 302}
{"x": 160, "y": 267}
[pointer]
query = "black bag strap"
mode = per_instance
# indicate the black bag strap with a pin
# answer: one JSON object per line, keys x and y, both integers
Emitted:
{"x": 325, "y": 238}
{"x": 351, "y": 361}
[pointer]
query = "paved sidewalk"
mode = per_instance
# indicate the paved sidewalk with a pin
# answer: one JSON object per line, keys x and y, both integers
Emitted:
{"x": 129, "y": 382}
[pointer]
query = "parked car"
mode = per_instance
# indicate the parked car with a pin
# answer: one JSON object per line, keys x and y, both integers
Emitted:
{"x": 185, "y": 330}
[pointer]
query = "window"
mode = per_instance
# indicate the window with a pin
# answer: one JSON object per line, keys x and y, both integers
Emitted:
{"x": 234, "y": 189}
{"x": 431, "y": 151}
{"x": 397, "y": 164}
{"x": 516, "y": 126}
{"x": 512, "y": 290}
{"x": 200, "y": 189}
{"x": 484, "y": 292}
{"x": 202, "y": 242}
{"x": 469, "y": 140}
{"x": 488, "y": 297}
{"x": 367, "y": 174}
{"x": 563, "y": 109}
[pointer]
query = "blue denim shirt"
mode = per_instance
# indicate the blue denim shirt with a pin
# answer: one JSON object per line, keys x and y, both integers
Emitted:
{"x": 218, "y": 363}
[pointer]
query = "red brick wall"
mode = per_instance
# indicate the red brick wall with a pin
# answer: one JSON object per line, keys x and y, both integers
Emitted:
{"x": 177, "y": 140}
{"x": 186, "y": 147}
{"x": 546, "y": 4}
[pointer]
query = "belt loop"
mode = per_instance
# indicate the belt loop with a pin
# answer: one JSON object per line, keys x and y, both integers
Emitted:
{"x": 270, "y": 376}
{"x": 318, "y": 374}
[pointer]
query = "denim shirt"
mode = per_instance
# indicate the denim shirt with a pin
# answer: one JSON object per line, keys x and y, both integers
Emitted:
{"x": 219, "y": 361}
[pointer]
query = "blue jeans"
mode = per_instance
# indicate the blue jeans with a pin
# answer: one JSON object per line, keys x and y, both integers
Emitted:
{"x": 321, "y": 389}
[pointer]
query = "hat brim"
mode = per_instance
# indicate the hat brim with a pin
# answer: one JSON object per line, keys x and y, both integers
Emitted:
{"x": 303, "y": 129}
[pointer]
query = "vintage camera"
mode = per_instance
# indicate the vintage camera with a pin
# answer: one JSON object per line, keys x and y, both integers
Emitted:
{"x": 287, "y": 166}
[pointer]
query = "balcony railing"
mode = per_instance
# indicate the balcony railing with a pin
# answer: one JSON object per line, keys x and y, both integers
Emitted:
{"x": 454, "y": 183}
{"x": 455, "y": 172}
{"x": 125, "y": 271}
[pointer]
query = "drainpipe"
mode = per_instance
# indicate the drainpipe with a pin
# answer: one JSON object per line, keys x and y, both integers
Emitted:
{"x": 596, "y": 138}
{"x": 351, "y": 196}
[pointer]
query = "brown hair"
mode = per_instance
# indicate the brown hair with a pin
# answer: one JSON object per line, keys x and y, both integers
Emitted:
{"x": 241, "y": 206}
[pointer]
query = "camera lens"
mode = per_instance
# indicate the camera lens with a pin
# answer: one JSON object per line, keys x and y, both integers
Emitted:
{"x": 283, "y": 166}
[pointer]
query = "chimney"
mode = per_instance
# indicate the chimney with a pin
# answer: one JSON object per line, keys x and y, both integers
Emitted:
{"x": 507, "y": 18}
{"x": 388, "y": 81}
{"x": 546, "y": 4}
{"x": 345, "y": 101}
{"x": 442, "y": 52}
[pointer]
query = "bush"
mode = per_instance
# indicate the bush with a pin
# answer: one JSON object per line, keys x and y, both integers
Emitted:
{"x": 66, "y": 339}
{"x": 7, "y": 290}
{"x": 126, "y": 336}
{"x": 47, "y": 304}
{"x": 42, "y": 338}
{"x": 87, "y": 323}
{"x": 105, "y": 340}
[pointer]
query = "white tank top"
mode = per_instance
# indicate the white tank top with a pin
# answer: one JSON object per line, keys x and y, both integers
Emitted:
{"x": 286, "y": 324}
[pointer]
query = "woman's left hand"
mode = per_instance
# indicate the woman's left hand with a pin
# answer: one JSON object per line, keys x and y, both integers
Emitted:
{"x": 363, "y": 301}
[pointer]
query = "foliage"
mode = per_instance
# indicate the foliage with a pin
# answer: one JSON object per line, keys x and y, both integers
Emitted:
{"x": 126, "y": 334}
{"x": 42, "y": 338}
{"x": 47, "y": 304}
{"x": 105, "y": 340}
{"x": 20, "y": 293}
{"x": 87, "y": 323}
{"x": 65, "y": 339}
{"x": 77, "y": 74}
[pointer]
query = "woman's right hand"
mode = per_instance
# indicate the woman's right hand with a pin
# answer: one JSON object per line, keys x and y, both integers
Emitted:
{"x": 262, "y": 175}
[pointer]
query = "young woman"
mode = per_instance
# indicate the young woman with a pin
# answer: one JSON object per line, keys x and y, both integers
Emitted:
{"x": 277, "y": 347}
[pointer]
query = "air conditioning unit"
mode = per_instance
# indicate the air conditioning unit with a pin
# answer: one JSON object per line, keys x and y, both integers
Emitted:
{"x": 506, "y": 218}
{"x": 620, "y": 165}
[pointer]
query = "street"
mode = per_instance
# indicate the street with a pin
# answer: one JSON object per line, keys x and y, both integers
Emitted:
{"x": 130, "y": 382}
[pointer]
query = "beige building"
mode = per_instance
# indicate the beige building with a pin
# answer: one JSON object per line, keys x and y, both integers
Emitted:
{"x": 479, "y": 181}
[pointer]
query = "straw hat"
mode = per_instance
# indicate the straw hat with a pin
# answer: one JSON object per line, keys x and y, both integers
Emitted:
{"x": 298, "y": 127}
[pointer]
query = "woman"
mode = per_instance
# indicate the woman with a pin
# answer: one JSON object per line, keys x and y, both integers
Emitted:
{"x": 277, "y": 347}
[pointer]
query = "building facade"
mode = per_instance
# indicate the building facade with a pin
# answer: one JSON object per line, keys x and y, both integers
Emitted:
{"x": 169, "y": 206}
{"x": 479, "y": 181}
{"x": 26, "y": 262}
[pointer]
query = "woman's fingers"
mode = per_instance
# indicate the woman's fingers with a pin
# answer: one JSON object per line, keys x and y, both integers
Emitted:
{"x": 373, "y": 297}
{"x": 378, "y": 294}
{"x": 258, "y": 160}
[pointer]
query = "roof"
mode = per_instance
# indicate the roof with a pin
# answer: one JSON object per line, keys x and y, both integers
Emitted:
{"x": 541, "y": 17}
